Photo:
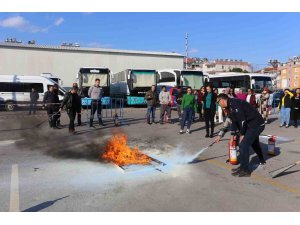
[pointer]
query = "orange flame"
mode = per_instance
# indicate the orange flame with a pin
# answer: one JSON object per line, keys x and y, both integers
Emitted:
{"x": 118, "y": 152}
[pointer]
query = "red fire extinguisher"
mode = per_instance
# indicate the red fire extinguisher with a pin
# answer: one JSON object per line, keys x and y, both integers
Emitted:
{"x": 271, "y": 145}
{"x": 232, "y": 152}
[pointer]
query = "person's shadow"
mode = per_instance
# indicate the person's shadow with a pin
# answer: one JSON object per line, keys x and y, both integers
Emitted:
{"x": 43, "y": 205}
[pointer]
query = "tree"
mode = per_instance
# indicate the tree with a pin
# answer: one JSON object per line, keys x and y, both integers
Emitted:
{"x": 237, "y": 70}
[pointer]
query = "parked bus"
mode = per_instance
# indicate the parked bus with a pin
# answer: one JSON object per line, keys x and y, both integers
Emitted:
{"x": 86, "y": 79}
{"x": 132, "y": 84}
{"x": 175, "y": 77}
{"x": 243, "y": 81}
{"x": 15, "y": 90}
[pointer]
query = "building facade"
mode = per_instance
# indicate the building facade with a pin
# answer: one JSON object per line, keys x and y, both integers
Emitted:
{"x": 65, "y": 61}
{"x": 218, "y": 65}
{"x": 290, "y": 73}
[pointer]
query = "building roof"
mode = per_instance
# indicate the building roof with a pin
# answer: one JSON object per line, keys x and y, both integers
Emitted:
{"x": 84, "y": 49}
{"x": 232, "y": 63}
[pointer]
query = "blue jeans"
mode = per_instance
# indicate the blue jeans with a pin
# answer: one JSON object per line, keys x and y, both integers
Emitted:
{"x": 251, "y": 138}
{"x": 151, "y": 110}
{"x": 187, "y": 116}
{"x": 285, "y": 115}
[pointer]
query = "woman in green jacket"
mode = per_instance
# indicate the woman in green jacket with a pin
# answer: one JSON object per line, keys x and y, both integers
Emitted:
{"x": 188, "y": 106}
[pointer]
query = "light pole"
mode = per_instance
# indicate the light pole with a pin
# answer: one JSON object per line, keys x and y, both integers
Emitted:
{"x": 186, "y": 49}
{"x": 274, "y": 63}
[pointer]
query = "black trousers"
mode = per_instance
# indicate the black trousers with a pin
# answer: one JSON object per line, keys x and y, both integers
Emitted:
{"x": 72, "y": 115}
{"x": 296, "y": 114}
{"x": 32, "y": 107}
{"x": 200, "y": 110}
{"x": 209, "y": 116}
{"x": 96, "y": 106}
{"x": 251, "y": 138}
{"x": 52, "y": 117}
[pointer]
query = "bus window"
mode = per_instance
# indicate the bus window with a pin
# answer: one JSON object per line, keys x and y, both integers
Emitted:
{"x": 262, "y": 82}
{"x": 167, "y": 77}
{"x": 143, "y": 78}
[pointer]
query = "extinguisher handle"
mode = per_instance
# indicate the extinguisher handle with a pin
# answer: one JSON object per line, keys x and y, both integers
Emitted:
{"x": 212, "y": 144}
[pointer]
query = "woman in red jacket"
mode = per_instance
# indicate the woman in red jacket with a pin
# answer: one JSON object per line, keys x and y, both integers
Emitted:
{"x": 251, "y": 98}
{"x": 200, "y": 102}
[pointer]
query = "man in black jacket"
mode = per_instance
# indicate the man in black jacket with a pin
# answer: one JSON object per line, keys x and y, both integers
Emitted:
{"x": 80, "y": 96}
{"x": 72, "y": 103}
{"x": 34, "y": 96}
{"x": 51, "y": 101}
{"x": 250, "y": 125}
{"x": 151, "y": 98}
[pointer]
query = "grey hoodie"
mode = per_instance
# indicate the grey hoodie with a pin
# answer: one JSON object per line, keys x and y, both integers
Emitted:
{"x": 95, "y": 92}
{"x": 164, "y": 97}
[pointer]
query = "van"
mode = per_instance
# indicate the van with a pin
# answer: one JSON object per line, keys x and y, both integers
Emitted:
{"x": 15, "y": 90}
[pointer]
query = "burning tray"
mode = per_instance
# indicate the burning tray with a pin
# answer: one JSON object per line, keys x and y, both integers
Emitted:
{"x": 118, "y": 152}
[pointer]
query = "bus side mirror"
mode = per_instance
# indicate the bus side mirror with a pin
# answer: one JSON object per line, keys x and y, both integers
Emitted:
{"x": 252, "y": 83}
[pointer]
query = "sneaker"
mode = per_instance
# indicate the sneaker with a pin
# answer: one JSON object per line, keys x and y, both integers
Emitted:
{"x": 281, "y": 125}
{"x": 262, "y": 163}
{"x": 287, "y": 126}
{"x": 207, "y": 135}
{"x": 188, "y": 131}
{"x": 181, "y": 132}
{"x": 211, "y": 136}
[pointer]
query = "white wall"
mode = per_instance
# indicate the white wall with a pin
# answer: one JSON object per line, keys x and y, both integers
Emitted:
{"x": 66, "y": 64}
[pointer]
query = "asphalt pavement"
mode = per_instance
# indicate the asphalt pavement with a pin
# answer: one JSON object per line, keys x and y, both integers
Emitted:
{"x": 42, "y": 169}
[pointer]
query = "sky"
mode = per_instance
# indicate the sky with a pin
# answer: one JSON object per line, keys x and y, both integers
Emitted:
{"x": 252, "y": 37}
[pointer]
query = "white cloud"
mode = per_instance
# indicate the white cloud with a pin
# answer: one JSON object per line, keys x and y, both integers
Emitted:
{"x": 193, "y": 51}
{"x": 59, "y": 21}
{"x": 14, "y": 22}
{"x": 21, "y": 24}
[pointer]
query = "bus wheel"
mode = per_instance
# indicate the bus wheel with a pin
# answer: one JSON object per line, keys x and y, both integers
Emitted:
{"x": 9, "y": 106}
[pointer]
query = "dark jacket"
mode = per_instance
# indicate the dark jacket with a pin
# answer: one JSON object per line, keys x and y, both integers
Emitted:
{"x": 287, "y": 101}
{"x": 72, "y": 102}
{"x": 179, "y": 98}
{"x": 50, "y": 97}
{"x": 296, "y": 102}
{"x": 151, "y": 98}
{"x": 34, "y": 96}
{"x": 212, "y": 103}
{"x": 243, "y": 116}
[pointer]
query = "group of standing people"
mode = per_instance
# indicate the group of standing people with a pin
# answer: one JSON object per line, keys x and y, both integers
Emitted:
{"x": 289, "y": 104}
{"x": 72, "y": 103}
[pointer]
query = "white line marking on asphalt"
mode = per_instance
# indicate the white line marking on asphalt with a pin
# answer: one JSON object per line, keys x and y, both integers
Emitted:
{"x": 14, "y": 205}
{"x": 9, "y": 142}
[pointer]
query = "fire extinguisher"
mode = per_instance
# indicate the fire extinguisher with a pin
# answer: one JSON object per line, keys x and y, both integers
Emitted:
{"x": 271, "y": 145}
{"x": 232, "y": 151}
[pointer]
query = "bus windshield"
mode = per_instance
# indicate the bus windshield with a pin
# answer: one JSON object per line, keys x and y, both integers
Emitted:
{"x": 193, "y": 79}
{"x": 262, "y": 82}
{"x": 143, "y": 78}
{"x": 88, "y": 79}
